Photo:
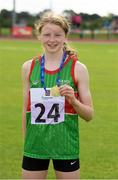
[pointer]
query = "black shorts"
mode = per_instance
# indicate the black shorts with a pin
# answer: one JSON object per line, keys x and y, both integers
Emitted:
{"x": 33, "y": 164}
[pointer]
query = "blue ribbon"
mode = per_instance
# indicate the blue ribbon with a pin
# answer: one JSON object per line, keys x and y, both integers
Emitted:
{"x": 42, "y": 72}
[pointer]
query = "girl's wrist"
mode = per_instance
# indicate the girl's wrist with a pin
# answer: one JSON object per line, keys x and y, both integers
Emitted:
{"x": 75, "y": 102}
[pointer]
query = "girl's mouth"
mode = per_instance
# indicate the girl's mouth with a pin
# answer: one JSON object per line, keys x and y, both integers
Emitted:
{"x": 52, "y": 45}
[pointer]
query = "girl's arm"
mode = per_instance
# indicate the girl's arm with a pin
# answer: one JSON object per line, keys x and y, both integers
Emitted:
{"x": 83, "y": 106}
{"x": 25, "y": 84}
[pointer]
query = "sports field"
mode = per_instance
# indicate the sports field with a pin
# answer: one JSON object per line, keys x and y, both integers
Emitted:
{"x": 98, "y": 139}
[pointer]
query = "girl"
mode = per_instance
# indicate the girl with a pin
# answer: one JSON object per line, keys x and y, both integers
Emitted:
{"x": 55, "y": 92}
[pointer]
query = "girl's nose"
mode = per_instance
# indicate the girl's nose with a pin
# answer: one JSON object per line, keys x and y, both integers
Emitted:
{"x": 52, "y": 38}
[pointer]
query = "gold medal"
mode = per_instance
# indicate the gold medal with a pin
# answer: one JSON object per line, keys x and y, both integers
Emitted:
{"x": 55, "y": 91}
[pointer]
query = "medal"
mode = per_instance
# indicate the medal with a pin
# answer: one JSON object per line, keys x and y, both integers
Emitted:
{"x": 54, "y": 91}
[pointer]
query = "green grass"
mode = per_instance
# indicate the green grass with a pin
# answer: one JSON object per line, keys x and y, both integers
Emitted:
{"x": 98, "y": 139}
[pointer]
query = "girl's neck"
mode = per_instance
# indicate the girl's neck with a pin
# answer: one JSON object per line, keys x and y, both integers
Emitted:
{"x": 53, "y": 60}
{"x": 53, "y": 57}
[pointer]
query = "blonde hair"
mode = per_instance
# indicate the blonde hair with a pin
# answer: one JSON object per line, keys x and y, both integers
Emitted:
{"x": 51, "y": 17}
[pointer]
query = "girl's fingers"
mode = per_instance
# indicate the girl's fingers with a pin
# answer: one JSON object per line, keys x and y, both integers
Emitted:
{"x": 65, "y": 88}
{"x": 65, "y": 91}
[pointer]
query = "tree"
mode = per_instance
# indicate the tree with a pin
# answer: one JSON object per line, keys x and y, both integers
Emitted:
{"x": 6, "y": 18}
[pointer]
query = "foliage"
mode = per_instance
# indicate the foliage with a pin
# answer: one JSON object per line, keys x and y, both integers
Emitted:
{"x": 5, "y": 18}
{"x": 92, "y": 22}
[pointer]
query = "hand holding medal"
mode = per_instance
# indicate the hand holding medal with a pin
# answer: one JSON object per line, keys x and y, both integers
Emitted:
{"x": 55, "y": 89}
{"x": 66, "y": 90}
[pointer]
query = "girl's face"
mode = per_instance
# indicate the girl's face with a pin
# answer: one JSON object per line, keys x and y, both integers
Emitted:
{"x": 52, "y": 38}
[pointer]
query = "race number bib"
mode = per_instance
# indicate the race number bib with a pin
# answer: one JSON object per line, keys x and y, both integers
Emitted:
{"x": 46, "y": 109}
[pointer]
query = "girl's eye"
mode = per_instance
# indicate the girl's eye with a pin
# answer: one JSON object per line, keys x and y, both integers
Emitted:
{"x": 46, "y": 35}
{"x": 57, "y": 35}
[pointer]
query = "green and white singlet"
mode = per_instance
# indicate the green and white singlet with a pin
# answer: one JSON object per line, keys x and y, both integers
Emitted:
{"x": 53, "y": 141}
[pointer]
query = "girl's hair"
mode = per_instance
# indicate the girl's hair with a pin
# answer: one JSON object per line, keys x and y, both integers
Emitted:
{"x": 51, "y": 17}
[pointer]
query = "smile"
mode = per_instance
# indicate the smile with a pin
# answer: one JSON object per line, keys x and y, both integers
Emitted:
{"x": 52, "y": 45}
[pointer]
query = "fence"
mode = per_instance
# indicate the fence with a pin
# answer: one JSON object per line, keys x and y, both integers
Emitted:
{"x": 77, "y": 34}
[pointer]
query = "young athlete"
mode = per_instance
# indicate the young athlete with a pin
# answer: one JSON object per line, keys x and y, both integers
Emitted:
{"x": 55, "y": 92}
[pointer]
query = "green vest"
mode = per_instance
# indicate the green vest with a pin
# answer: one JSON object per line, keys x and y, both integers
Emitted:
{"x": 57, "y": 141}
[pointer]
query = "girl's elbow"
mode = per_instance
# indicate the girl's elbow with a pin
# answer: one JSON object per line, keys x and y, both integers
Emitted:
{"x": 90, "y": 115}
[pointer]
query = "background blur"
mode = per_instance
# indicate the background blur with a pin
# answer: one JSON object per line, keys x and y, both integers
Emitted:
{"x": 91, "y": 19}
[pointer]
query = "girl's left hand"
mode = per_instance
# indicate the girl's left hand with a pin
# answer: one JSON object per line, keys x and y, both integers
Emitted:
{"x": 68, "y": 92}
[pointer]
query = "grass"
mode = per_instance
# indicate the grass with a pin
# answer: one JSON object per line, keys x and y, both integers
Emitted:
{"x": 98, "y": 139}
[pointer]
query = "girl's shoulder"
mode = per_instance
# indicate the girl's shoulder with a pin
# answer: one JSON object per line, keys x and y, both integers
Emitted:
{"x": 26, "y": 67}
{"x": 81, "y": 70}
{"x": 27, "y": 64}
{"x": 80, "y": 66}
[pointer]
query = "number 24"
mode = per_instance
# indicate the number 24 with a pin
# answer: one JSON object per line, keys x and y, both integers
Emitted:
{"x": 55, "y": 115}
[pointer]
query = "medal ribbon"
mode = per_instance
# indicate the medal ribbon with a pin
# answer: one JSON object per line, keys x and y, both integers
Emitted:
{"x": 42, "y": 72}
